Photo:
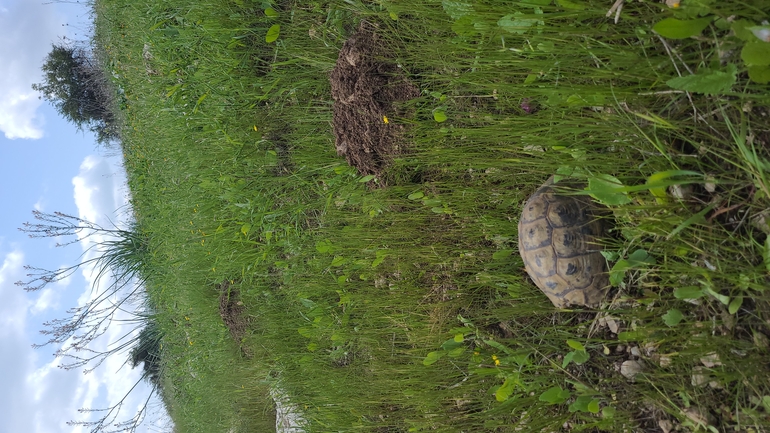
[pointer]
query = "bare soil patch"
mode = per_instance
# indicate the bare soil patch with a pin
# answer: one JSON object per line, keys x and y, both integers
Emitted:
{"x": 232, "y": 311}
{"x": 365, "y": 83}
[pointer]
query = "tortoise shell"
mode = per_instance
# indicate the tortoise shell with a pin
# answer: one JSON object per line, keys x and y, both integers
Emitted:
{"x": 558, "y": 240}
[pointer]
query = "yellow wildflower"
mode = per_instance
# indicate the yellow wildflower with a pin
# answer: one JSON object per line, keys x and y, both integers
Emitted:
{"x": 385, "y": 119}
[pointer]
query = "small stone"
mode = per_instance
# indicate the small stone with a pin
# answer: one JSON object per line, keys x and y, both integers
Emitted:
{"x": 680, "y": 192}
{"x": 650, "y": 349}
{"x": 665, "y": 425}
{"x": 761, "y": 221}
{"x": 699, "y": 376}
{"x": 711, "y": 360}
{"x": 629, "y": 369}
{"x": 610, "y": 322}
{"x": 664, "y": 361}
{"x": 696, "y": 416}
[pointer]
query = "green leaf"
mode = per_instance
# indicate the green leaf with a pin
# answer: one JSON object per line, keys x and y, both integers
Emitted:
{"x": 688, "y": 292}
{"x": 567, "y": 359}
{"x": 637, "y": 335}
{"x": 499, "y": 347}
{"x": 741, "y": 29}
{"x": 514, "y": 23}
{"x": 272, "y": 33}
{"x": 593, "y": 406}
{"x": 531, "y": 78}
{"x": 456, "y": 352}
{"x": 378, "y": 261}
{"x": 546, "y": 46}
{"x": 507, "y": 388}
{"x": 457, "y": 10}
{"x": 555, "y": 395}
{"x": 246, "y": 228}
{"x": 581, "y": 403}
{"x": 575, "y": 345}
{"x": 502, "y": 254}
{"x": 271, "y": 12}
{"x": 451, "y": 344}
{"x": 720, "y": 297}
{"x": 766, "y": 402}
{"x": 608, "y": 412}
{"x": 366, "y": 178}
{"x": 325, "y": 246}
{"x": 580, "y": 357}
{"x": 707, "y": 82}
{"x": 464, "y": 26}
{"x": 658, "y": 191}
{"x": 673, "y": 28}
{"x": 640, "y": 258}
{"x": 759, "y": 74}
{"x": 618, "y": 272}
{"x": 605, "y": 188}
{"x": 756, "y": 53}
{"x": 673, "y": 317}
{"x": 432, "y": 358}
{"x": 459, "y": 338}
{"x": 439, "y": 116}
{"x": 586, "y": 100}
{"x": 735, "y": 304}
{"x": 571, "y": 5}
{"x": 416, "y": 195}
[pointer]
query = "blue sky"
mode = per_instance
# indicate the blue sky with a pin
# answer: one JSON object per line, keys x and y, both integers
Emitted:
{"x": 46, "y": 164}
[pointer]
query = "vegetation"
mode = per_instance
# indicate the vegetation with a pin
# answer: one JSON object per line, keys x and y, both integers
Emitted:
{"x": 75, "y": 84}
{"x": 117, "y": 258}
{"x": 397, "y": 301}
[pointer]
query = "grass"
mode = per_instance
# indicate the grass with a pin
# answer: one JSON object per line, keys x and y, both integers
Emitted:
{"x": 404, "y": 306}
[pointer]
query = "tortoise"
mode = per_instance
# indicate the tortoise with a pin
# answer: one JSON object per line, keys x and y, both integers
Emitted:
{"x": 558, "y": 241}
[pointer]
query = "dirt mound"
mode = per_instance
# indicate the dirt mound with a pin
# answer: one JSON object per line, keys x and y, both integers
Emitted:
{"x": 365, "y": 84}
{"x": 232, "y": 311}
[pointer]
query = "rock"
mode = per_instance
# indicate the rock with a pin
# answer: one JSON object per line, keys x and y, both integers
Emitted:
{"x": 711, "y": 360}
{"x": 629, "y": 369}
{"x": 665, "y": 425}
{"x": 699, "y": 376}
{"x": 696, "y": 416}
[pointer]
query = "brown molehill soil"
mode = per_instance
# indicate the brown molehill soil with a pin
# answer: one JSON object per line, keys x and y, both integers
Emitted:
{"x": 232, "y": 311}
{"x": 365, "y": 84}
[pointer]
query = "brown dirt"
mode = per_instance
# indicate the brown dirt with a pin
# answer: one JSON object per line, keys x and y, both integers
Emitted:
{"x": 232, "y": 311}
{"x": 365, "y": 84}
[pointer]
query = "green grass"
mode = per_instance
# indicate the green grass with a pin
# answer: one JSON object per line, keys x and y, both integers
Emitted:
{"x": 350, "y": 291}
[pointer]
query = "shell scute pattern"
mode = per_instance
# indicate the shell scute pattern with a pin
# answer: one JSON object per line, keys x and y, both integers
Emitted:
{"x": 558, "y": 240}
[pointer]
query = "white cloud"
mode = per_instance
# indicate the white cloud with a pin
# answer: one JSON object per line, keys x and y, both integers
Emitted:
{"x": 48, "y": 299}
{"x": 27, "y": 29}
{"x": 40, "y": 397}
{"x": 39, "y": 205}
{"x": 97, "y": 190}
{"x": 12, "y": 301}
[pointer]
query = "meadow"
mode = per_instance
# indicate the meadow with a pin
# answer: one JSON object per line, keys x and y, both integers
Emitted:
{"x": 392, "y": 297}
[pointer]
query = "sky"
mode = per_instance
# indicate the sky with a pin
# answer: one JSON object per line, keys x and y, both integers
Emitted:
{"x": 46, "y": 164}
